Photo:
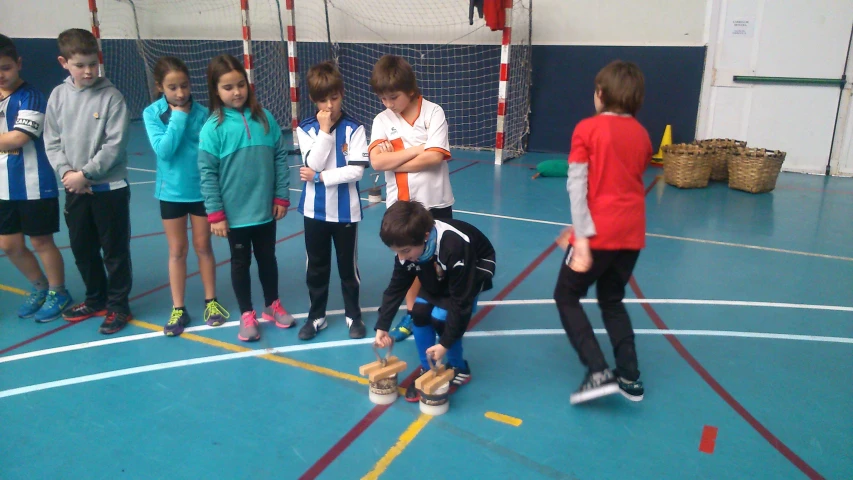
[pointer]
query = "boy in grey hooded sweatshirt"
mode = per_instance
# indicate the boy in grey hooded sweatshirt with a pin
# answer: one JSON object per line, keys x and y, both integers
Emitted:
{"x": 85, "y": 139}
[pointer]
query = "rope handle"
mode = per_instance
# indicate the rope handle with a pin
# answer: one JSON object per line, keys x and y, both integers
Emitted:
{"x": 383, "y": 361}
{"x": 433, "y": 366}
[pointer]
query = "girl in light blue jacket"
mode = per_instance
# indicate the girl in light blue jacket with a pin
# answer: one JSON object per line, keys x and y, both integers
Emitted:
{"x": 173, "y": 123}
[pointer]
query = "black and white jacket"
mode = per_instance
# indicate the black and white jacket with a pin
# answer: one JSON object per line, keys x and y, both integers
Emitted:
{"x": 463, "y": 266}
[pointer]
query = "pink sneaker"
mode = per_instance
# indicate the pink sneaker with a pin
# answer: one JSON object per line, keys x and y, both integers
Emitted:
{"x": 249, "y": 331}
{"x": 276, "y": 313}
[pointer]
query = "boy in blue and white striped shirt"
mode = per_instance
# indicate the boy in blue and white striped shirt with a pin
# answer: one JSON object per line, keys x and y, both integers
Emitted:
{"x": 29, "y": 197}
{"x": 334, "y": 156}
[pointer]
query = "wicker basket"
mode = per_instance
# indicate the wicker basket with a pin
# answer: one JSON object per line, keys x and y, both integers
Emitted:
{"x": 686, "y": 166}
{"x": 755, "y": 170}
{"x": 719, "y": 152}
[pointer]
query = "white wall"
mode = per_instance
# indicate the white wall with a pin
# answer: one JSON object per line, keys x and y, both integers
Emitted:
{"x": 555, "y": 22}
{"x": 793, "y": 38}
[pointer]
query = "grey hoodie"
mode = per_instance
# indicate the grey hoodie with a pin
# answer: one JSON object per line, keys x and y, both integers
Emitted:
{"x": 86, "y": 129}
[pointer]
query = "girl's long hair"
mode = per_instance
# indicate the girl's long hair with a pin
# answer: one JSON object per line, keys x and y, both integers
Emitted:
{"x": 220, "y": 66}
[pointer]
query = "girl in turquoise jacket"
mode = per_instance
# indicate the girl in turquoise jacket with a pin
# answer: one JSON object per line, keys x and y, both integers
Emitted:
{"x": 245, "y": 184}
{"x": 173, "y": 123}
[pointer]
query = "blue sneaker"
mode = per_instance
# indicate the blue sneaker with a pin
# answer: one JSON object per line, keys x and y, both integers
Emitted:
{"x": 403, "y": 329}
{"x": 32, "y": 304}
{"x": 54, "y": 305}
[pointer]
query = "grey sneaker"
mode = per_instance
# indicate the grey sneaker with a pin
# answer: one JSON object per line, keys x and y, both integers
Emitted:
{"x": 356, "y": 328}
{"x": 276, "y": 313}
{"x": 311, "y": 327}
{"x": 249, "y": 327}
{"x": 595, "y": 385}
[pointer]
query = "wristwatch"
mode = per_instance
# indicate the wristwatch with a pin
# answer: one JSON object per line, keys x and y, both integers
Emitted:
{"x": 317, "y": 177}
{"x": 87, "y": 176}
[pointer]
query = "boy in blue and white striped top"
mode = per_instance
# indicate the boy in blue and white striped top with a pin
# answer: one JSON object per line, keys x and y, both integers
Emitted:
{"x": 334, "y": 156}
{"x": 29, "y": 203}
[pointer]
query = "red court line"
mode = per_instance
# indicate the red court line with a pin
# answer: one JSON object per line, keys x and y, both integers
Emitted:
{"x": 652, "y": 185}
{"x": 377, "y": 411}
{"x": 715, "y": 385}
{"x": 709, "y": 439}
{"x": 134, "y": 298}
{"x": 726, "y": 396}
{"x": 65, "y": 247}
{"x": 161, "y": 287}
{"x": 33, "y": 339}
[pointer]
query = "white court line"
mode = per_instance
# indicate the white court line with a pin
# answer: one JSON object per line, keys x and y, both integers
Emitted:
{"x": 648, "y": 234}
{"x": 143, "y": 183}
{"x": 496, "y": 303}
{"x": 346, "y": 343}
{"x": 673, "y": 237}
{"x": 141, "y": 170}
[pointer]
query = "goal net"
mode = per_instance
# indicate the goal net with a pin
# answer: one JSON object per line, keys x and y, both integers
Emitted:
{"x": 136, "y": 33}
{"x": 458, "y": 64}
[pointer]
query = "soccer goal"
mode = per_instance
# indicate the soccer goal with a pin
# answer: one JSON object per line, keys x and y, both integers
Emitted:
{"x": 479, "y": 76}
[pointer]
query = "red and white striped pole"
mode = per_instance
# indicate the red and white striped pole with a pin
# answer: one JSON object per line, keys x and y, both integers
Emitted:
{"x": 248, "y": 60}
{"x": 293, "y": 70}
{"x": 506, "y": 41}
{"x": 96, "y": 31}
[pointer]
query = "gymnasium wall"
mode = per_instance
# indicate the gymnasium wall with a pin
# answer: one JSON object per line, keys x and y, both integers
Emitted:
{"x": 572, "y": 40}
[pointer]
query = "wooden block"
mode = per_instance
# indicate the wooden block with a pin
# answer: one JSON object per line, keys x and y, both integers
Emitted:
{"x": 388, "y": 371}
{"x": 430, "y": 382}
{"x": 366, "y": 369}
{"x": 375, "y": 371}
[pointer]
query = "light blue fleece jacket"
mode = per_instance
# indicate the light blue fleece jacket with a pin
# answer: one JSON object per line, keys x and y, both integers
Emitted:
{"x": 173, "y": 135}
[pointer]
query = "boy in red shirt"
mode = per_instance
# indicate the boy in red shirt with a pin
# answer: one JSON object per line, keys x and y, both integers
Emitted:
{"x": 609, "y": 153}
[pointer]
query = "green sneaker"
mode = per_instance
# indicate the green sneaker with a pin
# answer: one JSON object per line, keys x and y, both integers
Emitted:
{"x": 214, "y": 314}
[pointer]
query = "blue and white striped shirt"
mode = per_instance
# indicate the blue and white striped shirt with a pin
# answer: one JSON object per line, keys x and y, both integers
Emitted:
{"x": 25, "y": 173}
{"x": 341, "y": 156}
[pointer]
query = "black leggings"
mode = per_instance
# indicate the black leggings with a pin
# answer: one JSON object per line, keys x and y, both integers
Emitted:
{"x": 261, "y": 240}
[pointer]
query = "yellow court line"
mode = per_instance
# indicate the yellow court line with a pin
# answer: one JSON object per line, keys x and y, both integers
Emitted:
{"x": 237, "y": 348}
{"x": 13, "y": 290}
{"x": 273, "y": 358}
{"x": 402, "y": 442}
{"x": 500, "y": 417}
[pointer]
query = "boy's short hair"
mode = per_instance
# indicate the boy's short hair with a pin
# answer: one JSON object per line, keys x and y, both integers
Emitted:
{"x": 76, "y": 41}
{"x": 7, "y": 48}
{"x": 324, "y": 80}
{"x": 405, "y": 224}
{"x": 392, "y": 73}
{"x": 622, "y": 87}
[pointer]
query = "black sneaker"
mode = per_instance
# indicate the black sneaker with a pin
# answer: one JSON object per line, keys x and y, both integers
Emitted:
{"x": 81, "y": 312}
{"x": 412, "y": 393}
{"x": 463, "y": 376}
{"x": 114, "y": 322}
{"x": 356, "y": 328}
{"x": 311, "y": 327}
{"x": 633, "y": 391}
{"x": 595, "y": 385}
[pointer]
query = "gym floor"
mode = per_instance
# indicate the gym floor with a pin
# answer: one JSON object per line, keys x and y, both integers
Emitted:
{"x": 741, "y": 304}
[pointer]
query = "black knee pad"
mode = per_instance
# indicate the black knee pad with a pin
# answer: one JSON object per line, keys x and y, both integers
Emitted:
{"x": 438, "y": 326}
{"x": 422, "y": 314}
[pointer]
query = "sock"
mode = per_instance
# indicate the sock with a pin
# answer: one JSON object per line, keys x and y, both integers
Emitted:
{"x": 183, "y": 309}
{"x": 41, "y": 284}
{"x": 210, "y": 300}
{"x": 60, "y": 289}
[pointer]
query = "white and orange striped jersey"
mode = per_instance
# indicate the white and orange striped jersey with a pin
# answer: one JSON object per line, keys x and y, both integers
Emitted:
{"x": 429, "y": 187}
